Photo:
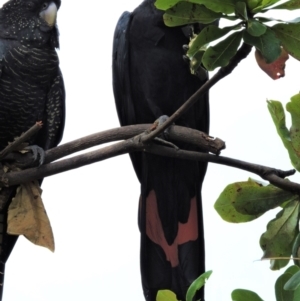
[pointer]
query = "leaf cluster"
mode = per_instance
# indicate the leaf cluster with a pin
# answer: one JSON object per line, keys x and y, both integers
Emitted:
{"x": 246, "y": 201}
{"x": 214, "y": 46}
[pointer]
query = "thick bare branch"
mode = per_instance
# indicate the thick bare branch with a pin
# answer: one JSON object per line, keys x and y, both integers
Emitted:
{"x": 273, "y": 175}
{"x": 176, "y": 134}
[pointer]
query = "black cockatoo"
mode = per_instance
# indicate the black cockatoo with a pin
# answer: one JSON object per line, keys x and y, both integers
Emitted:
{"x": 31, "y": 87}
{"x": 151, "y": 79}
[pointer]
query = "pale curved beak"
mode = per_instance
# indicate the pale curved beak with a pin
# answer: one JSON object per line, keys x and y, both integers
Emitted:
{"x": 49, "y": 14}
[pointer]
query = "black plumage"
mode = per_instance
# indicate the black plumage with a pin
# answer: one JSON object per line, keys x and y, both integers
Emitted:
{"x": 31, "y": 87}
{"x": 151, "y": 79}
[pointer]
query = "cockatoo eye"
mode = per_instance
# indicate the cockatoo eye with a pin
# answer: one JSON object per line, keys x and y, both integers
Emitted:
{"x": 45, "y": 5}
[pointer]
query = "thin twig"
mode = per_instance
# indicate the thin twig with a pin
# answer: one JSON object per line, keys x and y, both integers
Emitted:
{"x": 274, "y": 176}
{"x": 23, "y": 138}
{"x": 241, "y": 54}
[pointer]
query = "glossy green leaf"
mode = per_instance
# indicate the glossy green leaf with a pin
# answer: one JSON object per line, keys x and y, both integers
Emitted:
{"x": 296, "y": 250}
{"x": 281, "y": 232}
{"x": 253, "y": 3}
{"x": 255, "y": 28}
{"x": 241, "y": 10}
{"x": 292, "y": 270}
{"x": 165, "y": 4}
{"x": 290, "y": 139}
{"x": 293, "y": 107}
{"x": 208, "y": 34}
{"x": 267, "y": 44}
{"x": 220, "y": 54}
{"x": 186, "y": 13}
{"x": 220, "y": 6}
{"x": 165, "y": 295}
{"x": 280, "y": 292}
{"x": 263, "y": 5}
{"x": 244, "y": 295}
{"x": 290, "y": 5}
{"x": 296, "y": 295}
{"x": 225, "y": 204}
{"x": 257, "y": 200}
{"x": 289, "y": 35}
{"x": 196, "y": 285}
{"x": 293, "y": 283}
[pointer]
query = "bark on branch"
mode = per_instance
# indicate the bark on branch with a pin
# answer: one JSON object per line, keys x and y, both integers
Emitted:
{"x": 134, "y": 143}
{"x": 241, "y": 54}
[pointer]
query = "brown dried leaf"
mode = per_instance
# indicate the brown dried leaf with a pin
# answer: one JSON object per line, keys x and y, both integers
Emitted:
{"x": 27, "y": 216}
{"x": 275, "y": 69}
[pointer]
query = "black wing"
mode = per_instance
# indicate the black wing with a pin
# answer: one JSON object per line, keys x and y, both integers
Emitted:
{"x": 121, "y": 80}
{"x": 120, "y": 69}
{"x": 52, "y": 131}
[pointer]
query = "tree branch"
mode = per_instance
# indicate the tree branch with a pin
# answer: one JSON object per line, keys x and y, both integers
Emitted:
{"x": 273, "y": 175}
{"x": 23, "y": 138}
{"x": 176, "y": 134}
{"x": 241, "y": 54}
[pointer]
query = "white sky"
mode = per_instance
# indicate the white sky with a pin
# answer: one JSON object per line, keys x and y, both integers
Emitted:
{"x": 93, "y": 210}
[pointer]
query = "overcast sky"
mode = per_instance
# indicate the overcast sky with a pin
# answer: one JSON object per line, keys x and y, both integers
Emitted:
{"x": 93, "y": 210}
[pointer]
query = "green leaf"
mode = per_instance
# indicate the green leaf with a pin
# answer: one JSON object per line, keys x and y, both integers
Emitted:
{"x": 289, "y": 36}
{"x": 281, "y": 232}
{"x": 253, "y": 3}
{"x": 165, "y": 295}
{"x": 241, "y": 10}
{"x": 255, "y": 28}
{"x": 208, "y": 34}
{"x": 290, "y": 139}
{"x": 220, "y": 54}
{"x": 165, "y": 4}
{"x": 267, "y": 44}
{"x": 244, "y": 295}
{"x": 196, "y": 62}
{"x": 257, "y": 200}
{"x": 290, "y": 5}
{"x": 293, "y": 107}
{"x": 186, "y": 13}
{"x": 219, "y": 6}
{"x": 296, "y": 250}
{"x": 196, "y": 285}
{"x": 280, "y": 292}
{"x": 293, "y": 283}
{"x": 225, "y": 204}
{"x": 263, "y": 5}
{"x": 296, "y": 295}
{"x": 278, "y": 116}
{"x": 292, "y": 270}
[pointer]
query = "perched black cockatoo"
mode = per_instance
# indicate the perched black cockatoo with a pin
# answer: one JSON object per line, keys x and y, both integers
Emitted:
{"x": 31, "y": 87}
{"x": 151, "y": 79}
